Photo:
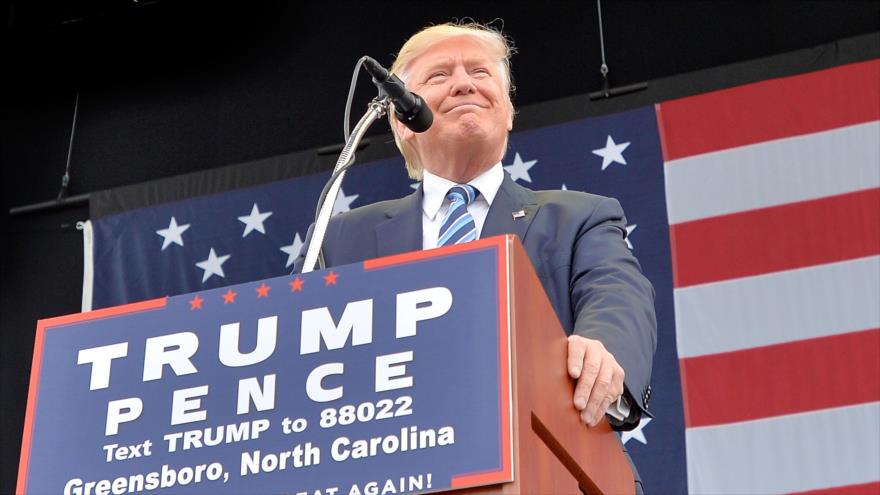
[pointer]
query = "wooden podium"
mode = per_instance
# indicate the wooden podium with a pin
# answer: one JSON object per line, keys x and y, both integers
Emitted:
{"x": 489, "y": 370}
{"x": 553, "y": 451}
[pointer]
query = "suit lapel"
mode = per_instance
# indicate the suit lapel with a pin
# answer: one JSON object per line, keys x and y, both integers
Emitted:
{"x": 510, "y": 200}
{"x": 402, "y": 232}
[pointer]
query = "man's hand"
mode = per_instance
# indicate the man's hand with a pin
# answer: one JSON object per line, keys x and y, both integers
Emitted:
{"x": 599, "y": 378}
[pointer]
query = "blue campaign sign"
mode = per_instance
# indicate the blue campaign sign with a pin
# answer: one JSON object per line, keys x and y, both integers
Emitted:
{"x": 390, "y": 376}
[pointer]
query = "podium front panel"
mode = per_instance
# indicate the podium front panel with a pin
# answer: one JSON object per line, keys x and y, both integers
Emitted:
{"x": 389, "y": 376}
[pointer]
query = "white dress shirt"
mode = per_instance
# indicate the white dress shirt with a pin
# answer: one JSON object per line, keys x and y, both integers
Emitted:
{"x": 435, "y": 205}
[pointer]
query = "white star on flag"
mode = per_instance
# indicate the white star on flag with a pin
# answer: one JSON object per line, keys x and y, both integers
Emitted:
{"x": 520, "y": 169}
{"x": 172, "y": 235}
{"x": 343, "y": 202}
{"x": 415, "y": 185}
{"x": 629, "y": 229}
{"x": 292, "y": 250}
{"x": 254, "y": 221}
{"x": 611, "y": 153}
{"x": 213, "y": 265}
{"x": 563, "y": 188}
{"x": 637, "y": 433}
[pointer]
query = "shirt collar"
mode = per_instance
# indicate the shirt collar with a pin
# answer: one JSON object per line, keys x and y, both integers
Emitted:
{"x": 436, "y": 187}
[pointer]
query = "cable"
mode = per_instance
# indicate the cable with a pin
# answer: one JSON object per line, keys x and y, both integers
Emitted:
{"x": 346, "y": 133}
{"x": 65, "y": 179}
{"x": 346, "y": 123}
{"x": 603, "y": 69}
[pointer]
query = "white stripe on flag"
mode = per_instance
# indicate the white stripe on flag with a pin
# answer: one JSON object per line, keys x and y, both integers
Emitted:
{"x": 778, "y": 307}
{"x": 800, "y": 452}
{"x": 773, "y": 173}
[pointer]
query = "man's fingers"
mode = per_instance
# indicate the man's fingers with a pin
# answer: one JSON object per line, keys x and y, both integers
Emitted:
{"x": 600, "y": 392}
{"x": 590, "y": 368}
{"x": 599, "y": 378}
{"x": 617, "y": 381}
{"x": 577, "y": 347}
{"x": 606, "y": 402}
{"x": 593, "y": 419}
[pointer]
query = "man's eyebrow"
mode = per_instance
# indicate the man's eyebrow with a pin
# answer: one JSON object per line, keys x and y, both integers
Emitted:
{"x": 445, "y": 61}
{"x": 477, "y": 60}
{"x": 437, "y": 63}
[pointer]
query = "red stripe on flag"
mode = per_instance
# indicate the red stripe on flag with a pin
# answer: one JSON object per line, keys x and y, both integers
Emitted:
{"x": 805, "y": 375}
{"x": 774, "y": 109}
{"x": 796, "y": 235}
{"x": 872, "y": 488}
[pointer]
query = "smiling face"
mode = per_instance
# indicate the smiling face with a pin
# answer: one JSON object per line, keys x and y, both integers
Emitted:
{"x": 466, "y": 90}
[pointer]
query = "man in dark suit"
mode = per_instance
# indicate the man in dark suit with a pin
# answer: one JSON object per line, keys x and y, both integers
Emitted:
{"x": 575, "y": 240}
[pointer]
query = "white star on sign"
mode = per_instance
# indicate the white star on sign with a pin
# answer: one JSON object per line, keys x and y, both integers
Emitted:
{"x": 629, "y": 229}
{"x": 611, "y": 153}
{"x": 293, "y": 250}
{"x": 213, "y": 265}
{"x": 637, "y": 433}
{"x": 520, "y": 169}
{"x": 172, "y": 235}
{"x": 343, "y": 202}
{"x": 254, "y": 221}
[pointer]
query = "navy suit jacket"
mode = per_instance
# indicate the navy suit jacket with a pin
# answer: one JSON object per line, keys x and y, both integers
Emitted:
{"x": 576, "y": 243}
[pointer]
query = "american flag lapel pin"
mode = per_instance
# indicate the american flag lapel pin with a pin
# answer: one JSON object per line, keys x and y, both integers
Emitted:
{"x": 519, "y": 214}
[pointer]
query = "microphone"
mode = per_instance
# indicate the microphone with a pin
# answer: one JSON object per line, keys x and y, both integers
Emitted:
{"x": 409, "y": 108}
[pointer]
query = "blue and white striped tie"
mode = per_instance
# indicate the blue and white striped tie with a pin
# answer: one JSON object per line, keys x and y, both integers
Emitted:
{"x": 458, "y": 226}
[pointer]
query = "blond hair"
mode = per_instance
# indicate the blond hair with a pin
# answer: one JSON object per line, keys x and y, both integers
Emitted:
{"x": 497, "y": 45}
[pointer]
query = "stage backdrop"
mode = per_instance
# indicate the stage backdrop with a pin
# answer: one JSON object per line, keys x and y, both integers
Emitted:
{"x": 755, "y": 212}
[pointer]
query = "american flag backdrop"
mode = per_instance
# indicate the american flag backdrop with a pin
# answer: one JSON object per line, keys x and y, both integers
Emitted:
{"x": 773, "y": 194}
{"x": 754, "y": 211}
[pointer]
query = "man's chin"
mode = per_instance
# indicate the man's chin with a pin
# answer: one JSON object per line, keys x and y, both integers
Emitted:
{"x": 470, "y": 126}
{"x": 467, "y": 130}
{"x": 471, "y": 134}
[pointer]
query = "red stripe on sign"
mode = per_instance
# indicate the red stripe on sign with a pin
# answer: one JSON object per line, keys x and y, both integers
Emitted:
{"x": 762, "y": 382}
{"x": 796, "y": 235}
{"x": 774, "y": 109}
{"x": 872, "y": 488}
